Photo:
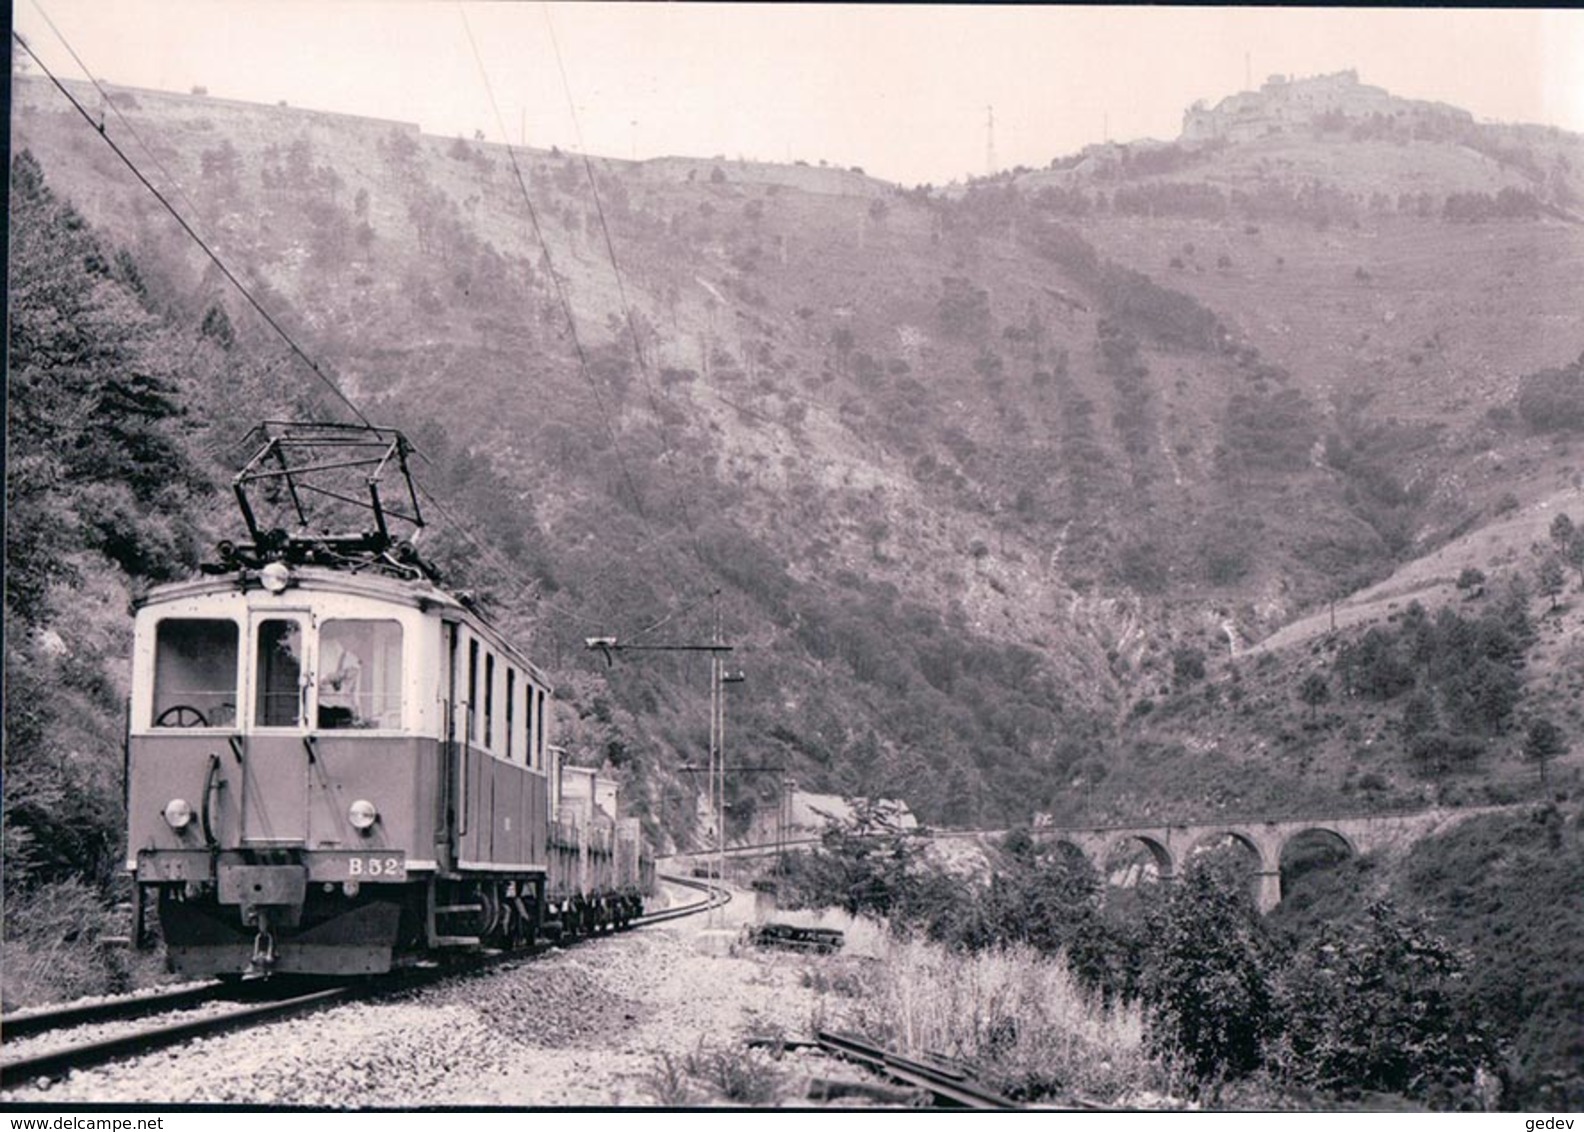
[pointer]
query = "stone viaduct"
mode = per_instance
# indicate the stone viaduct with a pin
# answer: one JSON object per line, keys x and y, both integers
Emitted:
{"x": 1171, "y": 845}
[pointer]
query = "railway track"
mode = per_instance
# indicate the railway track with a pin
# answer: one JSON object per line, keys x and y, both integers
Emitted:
{"x": 946, "y": 1082}
{"x": 713, "y": 898}
{"x": 15, "y": 1027}
{"x": 258, "y": 1001}
{"x": 54, "y": 1063}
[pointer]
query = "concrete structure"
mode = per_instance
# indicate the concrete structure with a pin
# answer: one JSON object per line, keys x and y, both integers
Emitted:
{"x": 804, "y": 817}
{"x": 1170, "y": 846}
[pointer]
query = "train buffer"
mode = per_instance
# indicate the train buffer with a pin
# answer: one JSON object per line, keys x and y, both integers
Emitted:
{"x": 791, "y": 937}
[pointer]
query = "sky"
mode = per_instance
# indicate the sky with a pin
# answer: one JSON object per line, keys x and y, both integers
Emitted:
{"x": 911, "y": 93}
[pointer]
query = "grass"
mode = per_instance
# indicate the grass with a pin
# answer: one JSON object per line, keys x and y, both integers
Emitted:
{"x": 737, "y": 1075}
{"x": 55, "y": 949}
{"x": 667, "y": 1083}
{"x": 1020, "y": 1020}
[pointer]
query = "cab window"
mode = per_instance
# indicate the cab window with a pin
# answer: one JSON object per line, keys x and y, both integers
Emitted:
{"x": 278, "y": 679}
{"x": 195, "y": 673}
{"x": 360, "y": 673}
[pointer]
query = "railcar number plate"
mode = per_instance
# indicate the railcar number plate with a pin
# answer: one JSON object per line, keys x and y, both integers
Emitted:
{"x": 377, "y": 868}
{"x": 340, "y": 865}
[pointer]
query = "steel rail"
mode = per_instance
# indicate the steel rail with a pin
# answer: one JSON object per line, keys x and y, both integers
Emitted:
{"x": 714, "y": 898}
{"x": 946, "y": 1082}
{"x": 58, "y": 1062}
{"x": 27, "y": 1025}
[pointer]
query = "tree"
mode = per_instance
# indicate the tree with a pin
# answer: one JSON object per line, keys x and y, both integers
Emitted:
{"x": 1314, "y": 691}
{"x": 1207, "y": 989}
{"x": 1552, "y": 400}
{"x": 1551, "y": 578}
{"x": 963, "y": 309}
{"x": 1543, "y": 742}
{"x": 1562, "y": 530}
{"x": 1419, "y": 717}
{"x": 871, "y": 866}
{"x": 1573, "y": 553}
{"x": 1380, "y": 1004}
{"x": 96, "y": 411}
{"x": 1188, "y": 665}
{"x": 1472, "y": 579}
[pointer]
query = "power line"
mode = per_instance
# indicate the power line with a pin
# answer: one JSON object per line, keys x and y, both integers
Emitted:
{"x": 621, "y": 290}
{"x": 486, "y": 551}
{"x": 214, "y": 256}
{"x": 555, "y": 279}
{"x": 110, "y": 102}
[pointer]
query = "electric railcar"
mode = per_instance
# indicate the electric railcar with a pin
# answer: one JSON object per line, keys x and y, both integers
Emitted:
{"x": 334, "y": 766}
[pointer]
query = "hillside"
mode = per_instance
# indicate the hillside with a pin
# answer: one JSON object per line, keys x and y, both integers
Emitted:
{"x": 979, "y": 472}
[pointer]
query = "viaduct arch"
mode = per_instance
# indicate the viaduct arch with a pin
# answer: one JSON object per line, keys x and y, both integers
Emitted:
{"x": 1170, "y": 845}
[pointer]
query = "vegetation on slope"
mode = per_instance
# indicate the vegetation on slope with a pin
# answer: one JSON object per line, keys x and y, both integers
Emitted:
{"x": 1445, "y": 975}
{"x": 991, "y": 484}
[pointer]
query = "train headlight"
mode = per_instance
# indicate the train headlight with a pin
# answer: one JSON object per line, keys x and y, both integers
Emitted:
{"x": 275, "y": 577}
{"x": 178, "y": 814}
{"x": 362, "y": 814}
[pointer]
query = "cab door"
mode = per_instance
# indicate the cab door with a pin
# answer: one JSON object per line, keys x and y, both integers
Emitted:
{"x": 276, "y": 754}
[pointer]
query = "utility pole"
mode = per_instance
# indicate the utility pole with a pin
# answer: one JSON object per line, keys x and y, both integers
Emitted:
{"x": 719, "y": 677}
{"x": 718, "y": 741}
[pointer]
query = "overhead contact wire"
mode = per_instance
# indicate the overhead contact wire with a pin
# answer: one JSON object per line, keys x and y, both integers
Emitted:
{"x": 555, "y": 279}
{"x": 621, "y": 292}
{"x": 484, "y": 550}
{"x": 110, "y": 102}
{"x": 214, "y": 256}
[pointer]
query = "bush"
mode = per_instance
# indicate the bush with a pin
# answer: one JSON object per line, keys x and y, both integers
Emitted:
{"x": 1208, "y": 989}
{"x": 1552, "y": 400}
{"x": 1030, "y": 1028}
{"x": 870, "y": 867}
{"x": 740, "y": 1076}
{"x": 1380, "y": 1005}
{"x": 55, "y": 946}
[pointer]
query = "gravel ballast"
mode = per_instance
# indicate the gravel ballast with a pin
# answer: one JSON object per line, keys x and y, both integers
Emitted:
{"x": 593, "y": 1025}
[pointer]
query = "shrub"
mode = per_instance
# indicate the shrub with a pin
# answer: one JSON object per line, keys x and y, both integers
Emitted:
{"x": 55, "y": 946}
{"x": 870, "y": 867}
{"x": 1022, "y": 1019}
{"x": 667, "y": 1083}
{"x": 1552, "y": 400}
{"x": 1188, "y": 664}
{"x": 1380, "y": 1004}
{"x": 741, "y": 1076}
{"x": 1208, "y": 988}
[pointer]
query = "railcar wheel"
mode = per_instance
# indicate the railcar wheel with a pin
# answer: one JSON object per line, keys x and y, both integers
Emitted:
{"x": 490, "y": 916}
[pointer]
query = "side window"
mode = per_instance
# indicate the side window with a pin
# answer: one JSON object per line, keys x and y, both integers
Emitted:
{"x": 539, "y": 716}
{"x": 195, "y": 673}
{"x": 360, "y": 674}
{"x": 525, "y": 721}
{"x": 511, "y": 712}
{"x": 473, "y": 696}
{"x": 278, "y": 677}
{"x": 531, "y": 726}
{"x": 489, "y": 701}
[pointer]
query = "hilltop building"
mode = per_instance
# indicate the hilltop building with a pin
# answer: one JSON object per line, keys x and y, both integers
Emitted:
{"x": 1284, "y": 105}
